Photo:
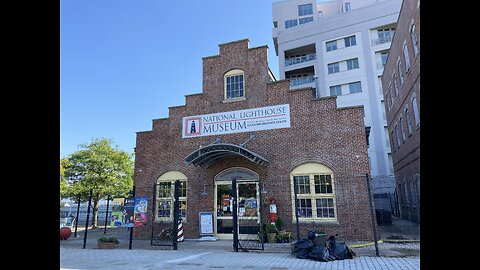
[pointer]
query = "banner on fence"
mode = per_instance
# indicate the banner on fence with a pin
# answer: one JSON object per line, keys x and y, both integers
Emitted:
{"x": 140, "y": 211}
{"x": 117, "y": 210}
{"x": 127, "y": 215}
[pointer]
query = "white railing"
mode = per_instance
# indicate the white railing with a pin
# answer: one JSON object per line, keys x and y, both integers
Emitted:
{"x": 379, "y": 41}
{"x": 301, "y": 80}
{"x": 299, "y": 59}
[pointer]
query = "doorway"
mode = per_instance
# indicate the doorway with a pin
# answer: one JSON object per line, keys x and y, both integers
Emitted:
{"x": 248, "y": 206}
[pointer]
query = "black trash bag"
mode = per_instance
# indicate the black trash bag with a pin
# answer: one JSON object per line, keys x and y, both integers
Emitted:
{"x": 320, "y": 254}
{"x": 311, "y": 235}
{"x": 339, "y": 250}
{"x": 304, "y": 243}
{"x": 303, "y": 253}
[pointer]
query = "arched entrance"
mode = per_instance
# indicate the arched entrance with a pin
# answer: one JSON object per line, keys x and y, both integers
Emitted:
{"x": 248, "y": 208}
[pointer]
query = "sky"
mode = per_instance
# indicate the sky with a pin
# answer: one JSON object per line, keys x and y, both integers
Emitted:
{"x": 124, "y": 62}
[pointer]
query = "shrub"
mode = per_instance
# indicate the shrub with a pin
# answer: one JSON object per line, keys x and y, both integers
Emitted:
{"x": 108, "y": 239}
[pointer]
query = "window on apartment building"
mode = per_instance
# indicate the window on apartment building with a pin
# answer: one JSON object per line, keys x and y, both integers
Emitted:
{"x": 385, "y": 130}
{"x": 416, "y": 113}
{"x": 402, "y": 129}
{"x": 291, "y": 23}
{"x": 306, "y": 9}
{"x": 275, "y": 24}
{"x": 352, "y": 63}
{"x": 333, "y": 68}
{"x": 387, "y": 98}
{"x": 350, "y": 41}
{"x": 386, "y": 34}
{"x": 331, "y": 45}
{"x": 413, "y": 36}
{"x": 409, "y": 122}
{"x": 400, "y": 73}
{"x": 397, "y": 134}
{"x": 384, "y": 118}
{"x": 336, "y": 90}
{"x": 355, "y": 87}
{"x": 305, "y": 20}
{"x": 406, "y": 55}
{"x": 315, "y": 192}
{"x": 165, "y": 188}
{"x": 234, "y": 84}
{"x": 384, "y": 57}
{"x": 347, "y": 7}
{"x": 395, "y": 85}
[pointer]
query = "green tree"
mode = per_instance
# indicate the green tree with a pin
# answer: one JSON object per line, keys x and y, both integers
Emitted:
{"x": 99, "y": 166}
{"x": 63, "y": 180}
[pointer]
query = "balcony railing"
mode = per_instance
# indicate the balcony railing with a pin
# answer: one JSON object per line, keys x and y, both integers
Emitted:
{"x": 379, "y": 41}
{"x": 299, "y": 59}
{"x": 301, "y": 80}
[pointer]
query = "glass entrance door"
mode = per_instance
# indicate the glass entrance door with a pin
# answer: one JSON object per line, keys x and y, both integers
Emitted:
{"x": 248, "y": 209}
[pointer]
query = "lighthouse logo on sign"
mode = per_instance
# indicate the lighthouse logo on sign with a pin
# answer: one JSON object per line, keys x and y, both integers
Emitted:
{"x": 193, "y": 126}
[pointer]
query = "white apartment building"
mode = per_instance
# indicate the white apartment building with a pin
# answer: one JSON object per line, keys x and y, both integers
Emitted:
{"x": 339, "y": 48}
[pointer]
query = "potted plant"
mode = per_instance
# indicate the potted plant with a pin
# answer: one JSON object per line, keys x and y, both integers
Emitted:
{"x": 271, "y": 232}
{"x": 107, "y": 242}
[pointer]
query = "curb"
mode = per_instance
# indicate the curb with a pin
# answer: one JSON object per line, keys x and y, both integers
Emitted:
{"x": 365, "y": 245}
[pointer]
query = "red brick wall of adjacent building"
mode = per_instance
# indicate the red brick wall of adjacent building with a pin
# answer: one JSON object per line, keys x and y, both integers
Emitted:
{"x": 320, "y": 132}
{"x": 406, "y": 155}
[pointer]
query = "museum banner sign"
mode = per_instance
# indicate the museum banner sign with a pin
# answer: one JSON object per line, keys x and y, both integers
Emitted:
{"x": 265, "y": 118}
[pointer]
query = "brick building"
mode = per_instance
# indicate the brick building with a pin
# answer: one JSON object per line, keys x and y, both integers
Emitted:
{"x": 246, "y": 124}
{"x": 401, "y": 89}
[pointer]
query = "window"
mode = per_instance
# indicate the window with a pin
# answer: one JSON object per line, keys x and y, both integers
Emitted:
{"x": 305, "y": 20}
{"x": 416, "y": 113}
{"x": 352, "y": 63}
{"x": 347, "y": 7}
{"x": 384, "y": 57}
{"x": 355, "y": 87}
{"x": 291, "y": 23}
{"x": 385, "y": 35}
{"x": 336, "y": 90}
{"x": 390, "y": 91}
{"x": 400, "y": 73}
{"x": 331, "y": 45}
{"x": 350, "y": 41}
{"x": 316, "y": 192}
{"x": 234, "y": 84}
{"x": 398, "y": 136}
{"x": 306, "y": 9}
{"x": 165, "y": 196}
{"x": 395, "y": 85}
{"x": 392, "y": 140}
{"x": 409, "y": 123}
{"x": 413, "y": 36}
{"x": 275, "y": 24}
{"x": 333, "y": 68}
{"x": 402, "y": 129}
{"x": 407, "y": 57}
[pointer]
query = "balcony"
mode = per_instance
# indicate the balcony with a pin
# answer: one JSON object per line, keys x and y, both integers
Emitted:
{"x": 382, "y": 40}
{"x": 300, "y": 59}
{"x": 380, "y": 65}
{"x": 302, "y": 81}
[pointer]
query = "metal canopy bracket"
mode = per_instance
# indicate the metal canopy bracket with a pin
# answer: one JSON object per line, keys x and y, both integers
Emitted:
{"x": 205, "y": 156}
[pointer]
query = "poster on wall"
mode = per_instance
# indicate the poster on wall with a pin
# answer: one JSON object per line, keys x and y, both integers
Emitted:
{"x": 140, "y": 211}
{"x": 206, "y": 223}
{"x": 117, "y": 210}
{"x": 127, "y": 215}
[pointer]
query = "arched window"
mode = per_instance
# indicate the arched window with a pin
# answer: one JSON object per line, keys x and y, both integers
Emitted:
{"x": 397, "y": 134}
{"x": 406, "y": 55}
{"x": 409, "y": 122}
{"x": 164, "y": 195}
{"x": 416, "y": 113}
{"x": 413, "y": 36}
{"x": 315, "y": 192}
{"x": 234, "y": 83}
{"x": 400, "y": 73}
{"x": 402, "y": 129}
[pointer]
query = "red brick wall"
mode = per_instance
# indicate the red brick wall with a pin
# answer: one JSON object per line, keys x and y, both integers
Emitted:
{"x": 319, "y": 133}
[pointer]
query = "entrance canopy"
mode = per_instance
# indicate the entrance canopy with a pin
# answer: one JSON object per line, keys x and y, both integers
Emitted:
{"x": 207, "y": 155}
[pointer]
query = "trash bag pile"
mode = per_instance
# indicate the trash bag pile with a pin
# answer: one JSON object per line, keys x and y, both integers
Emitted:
{"x": 333, "y": 249}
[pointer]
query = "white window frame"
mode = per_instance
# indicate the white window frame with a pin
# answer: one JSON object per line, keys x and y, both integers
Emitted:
{"x": 402, "y": 129}
{"x": 400, "y": 73}
{"x": 333, "y": 68}
{"x": 233, "y": 73}
{"x": 416, "y": 112}
{"x": 413, "y": 36}
{"x": 406, "y": 56}
{"x": 310, "y": 170}
{"x": 170, "y": 199}
{"x": 408, "y": 121}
